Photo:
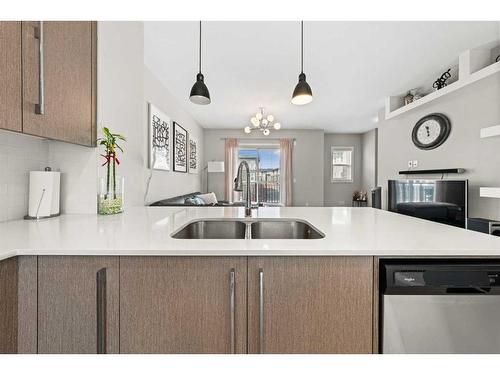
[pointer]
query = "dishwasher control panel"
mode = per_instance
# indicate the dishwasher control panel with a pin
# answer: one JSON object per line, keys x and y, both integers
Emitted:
{"x": 443, "y": 277}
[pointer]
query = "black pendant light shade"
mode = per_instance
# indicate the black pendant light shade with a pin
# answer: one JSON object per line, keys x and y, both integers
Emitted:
{"x": 302, "y": 93}
{"x": 199, "y": 92}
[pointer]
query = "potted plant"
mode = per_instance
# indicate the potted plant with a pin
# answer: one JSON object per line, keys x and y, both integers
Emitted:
{"x": 110, "y": 197}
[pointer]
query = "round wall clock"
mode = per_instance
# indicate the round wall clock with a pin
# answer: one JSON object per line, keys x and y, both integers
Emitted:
{"x": 431, "y": 131}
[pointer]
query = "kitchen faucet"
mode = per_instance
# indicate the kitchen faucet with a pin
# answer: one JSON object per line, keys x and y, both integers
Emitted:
{"x": 238, "y": 186}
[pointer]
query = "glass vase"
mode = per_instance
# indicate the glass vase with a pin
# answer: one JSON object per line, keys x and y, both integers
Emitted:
{"x": 110, "y": 196}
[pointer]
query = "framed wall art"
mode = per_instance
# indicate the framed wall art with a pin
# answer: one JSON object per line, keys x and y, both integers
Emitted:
{"x": 180, "y": 155}
{"x": 159, "y": 139}
{"x": 193, "y": 155}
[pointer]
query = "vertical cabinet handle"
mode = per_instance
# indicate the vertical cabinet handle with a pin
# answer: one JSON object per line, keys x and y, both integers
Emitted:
{"x": 232, "y": 284}
{"x": 261, "y": 311}
{"x": 101, "y": 311}
{"x": 40, "y": 107}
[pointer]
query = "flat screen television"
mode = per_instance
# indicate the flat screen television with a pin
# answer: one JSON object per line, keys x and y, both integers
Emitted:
{"x": 443, "y": 201}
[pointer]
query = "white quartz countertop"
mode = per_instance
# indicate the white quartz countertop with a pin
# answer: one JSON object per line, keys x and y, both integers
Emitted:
{"x": 147, "y": 230}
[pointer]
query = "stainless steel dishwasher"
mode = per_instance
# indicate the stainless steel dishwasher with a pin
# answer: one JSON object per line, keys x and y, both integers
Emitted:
{"x": 440, "y": 307}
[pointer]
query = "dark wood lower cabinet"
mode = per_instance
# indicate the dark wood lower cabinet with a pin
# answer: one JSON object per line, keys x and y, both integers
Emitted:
{"x": 72, "y": 317}
{"x": 18, "y": 310}
{"x": 183, "y": 305}
{"x": 310, "y": 304}
{"x": 103, "y": 304}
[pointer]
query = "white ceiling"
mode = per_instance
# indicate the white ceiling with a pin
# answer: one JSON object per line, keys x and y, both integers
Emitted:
{"x": 351, "y": 66}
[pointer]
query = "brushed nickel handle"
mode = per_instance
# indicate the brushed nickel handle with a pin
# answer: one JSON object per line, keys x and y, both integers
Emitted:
{"x": 101, "y": 311}
{"x": 232, "y": 285}
{"x": 261, "y": 311}
{"x": 40, "y": 107}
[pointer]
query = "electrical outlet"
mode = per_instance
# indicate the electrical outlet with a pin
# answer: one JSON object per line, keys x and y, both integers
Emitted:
{"x": 415, "y": 164}
{"x": 410, "y": 164}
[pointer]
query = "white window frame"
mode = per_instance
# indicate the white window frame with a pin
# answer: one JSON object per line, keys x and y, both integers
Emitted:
{"x": 351, "y": 165}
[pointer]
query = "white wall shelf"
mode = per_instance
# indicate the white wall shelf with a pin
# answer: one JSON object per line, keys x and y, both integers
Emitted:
{"x": 474, "y": 65}
{"x": 489, "y": 192}
{"x": 491, "y": 131}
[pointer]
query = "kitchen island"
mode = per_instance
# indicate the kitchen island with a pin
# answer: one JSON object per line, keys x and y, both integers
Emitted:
{"x": 122, "y": 284}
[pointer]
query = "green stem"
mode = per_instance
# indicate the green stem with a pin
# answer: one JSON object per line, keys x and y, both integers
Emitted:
{"x": 114, "y": 177}
{"x": 107, "y": 180}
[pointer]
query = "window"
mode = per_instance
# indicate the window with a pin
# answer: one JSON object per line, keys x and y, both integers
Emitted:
{"x": 342, "y": 168}
{"x": 264, "y": 165}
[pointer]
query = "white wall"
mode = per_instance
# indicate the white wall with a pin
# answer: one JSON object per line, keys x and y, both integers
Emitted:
{"x": 469, "y": 109}
{"x": 307, "y": 161}
{"x": 124, "y": 87}
{"x": 340, "y": 193}
{"x": 120, "y": 106}
{"x": 19, "y": 154}
{"x": 165, "y": 184}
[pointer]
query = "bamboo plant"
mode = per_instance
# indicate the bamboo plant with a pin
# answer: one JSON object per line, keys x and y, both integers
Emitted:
{"x": 110, "y": 143}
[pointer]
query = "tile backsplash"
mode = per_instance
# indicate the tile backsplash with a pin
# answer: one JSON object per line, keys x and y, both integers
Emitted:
{"x": 19, "y": 154}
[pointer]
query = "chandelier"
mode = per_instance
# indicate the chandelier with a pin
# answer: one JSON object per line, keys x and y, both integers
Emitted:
{"x": 264, "y": 124}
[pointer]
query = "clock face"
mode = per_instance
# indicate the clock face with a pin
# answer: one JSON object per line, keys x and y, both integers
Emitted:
{"x": 428, "y": 132}
{"x": 431, "y": 131}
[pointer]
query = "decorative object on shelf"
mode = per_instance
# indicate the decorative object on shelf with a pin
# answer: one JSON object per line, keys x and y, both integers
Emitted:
{"x": 193, "y": 155}
{"x": 441, "y": 81}
{"x": 431, "y": 131}
{"x": 408, "y": 98}
{"x": 180, "y": 148}
{"x": 359, "y": 198}
{"x": 262, "y": 123}
{"x": 302, "y": 94}
{"x": 159, "y": 139}
{"x": 110, "y": 196}
{"x": 199, "y": 92}
{"x": 412, "y": 96}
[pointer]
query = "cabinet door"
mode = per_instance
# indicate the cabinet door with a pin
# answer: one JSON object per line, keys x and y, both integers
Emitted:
{"x": 78, "y": 304}
{"x": 310, "y": 304}
{"x": 183, "y": 304}
{"x": 10, "y": 76}
{"x": 59, "y": 75}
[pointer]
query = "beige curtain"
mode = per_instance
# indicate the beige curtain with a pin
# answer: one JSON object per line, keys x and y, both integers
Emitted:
{"x": 230, "y": 160}
{"x": 286, "y": 148}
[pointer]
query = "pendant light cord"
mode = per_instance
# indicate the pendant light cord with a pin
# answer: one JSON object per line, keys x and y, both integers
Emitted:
{"x": 200, "y": 48}
{"x": 302, "y": 46}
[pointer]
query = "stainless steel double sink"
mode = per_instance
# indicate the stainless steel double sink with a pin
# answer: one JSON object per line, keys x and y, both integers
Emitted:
{"x": 248, "y": 229}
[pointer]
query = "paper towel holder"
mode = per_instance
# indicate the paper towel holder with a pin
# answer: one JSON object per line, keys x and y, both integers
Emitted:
{"x": 38, "y": 217}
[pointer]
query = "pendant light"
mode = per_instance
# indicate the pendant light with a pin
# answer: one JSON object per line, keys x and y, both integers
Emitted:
{"x": 302, "y": 93}
{"x": 199, "y": 92}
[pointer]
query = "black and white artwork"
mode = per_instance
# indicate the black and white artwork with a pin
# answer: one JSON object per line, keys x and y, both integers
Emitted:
{"x": 180, "y": 149}
{"x": 193, "y": 155}
{"x": 159, "y": 139}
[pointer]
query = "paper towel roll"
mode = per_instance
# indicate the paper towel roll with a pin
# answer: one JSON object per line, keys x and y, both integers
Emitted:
{"x": 44, "y": 194}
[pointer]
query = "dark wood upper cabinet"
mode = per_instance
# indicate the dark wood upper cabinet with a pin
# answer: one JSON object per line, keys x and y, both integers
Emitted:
{"x": 183, "y": 305}
{"x": 10, "y": 76}
{"x": 78, "y": 304}
{"x": 310, "y": 304}
{"x": 59, "y": 80}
